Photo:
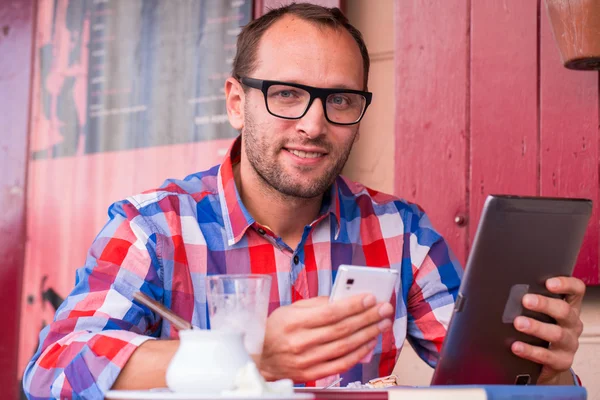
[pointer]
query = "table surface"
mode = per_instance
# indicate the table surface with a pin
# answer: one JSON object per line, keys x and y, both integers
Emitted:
{"x": 333, "y": 394}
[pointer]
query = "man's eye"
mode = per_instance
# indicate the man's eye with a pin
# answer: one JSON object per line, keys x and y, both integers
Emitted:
{"x": 339, "y": 100}
{"x": 286, "y": 94}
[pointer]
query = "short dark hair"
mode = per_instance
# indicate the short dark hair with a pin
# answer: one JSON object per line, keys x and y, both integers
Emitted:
{"x": 249, "y": 38}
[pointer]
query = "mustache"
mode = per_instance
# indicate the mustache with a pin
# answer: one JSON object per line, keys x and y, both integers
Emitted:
{"x": 320, "y": 142}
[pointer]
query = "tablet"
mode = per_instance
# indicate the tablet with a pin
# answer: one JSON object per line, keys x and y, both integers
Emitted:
{"x": 519, "y": 244}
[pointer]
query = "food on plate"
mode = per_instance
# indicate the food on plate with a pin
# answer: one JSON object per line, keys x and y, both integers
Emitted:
{"x": 383, "y": 382}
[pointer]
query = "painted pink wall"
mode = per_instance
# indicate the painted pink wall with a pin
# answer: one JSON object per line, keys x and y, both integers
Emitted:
{"x": 16, "y": 34}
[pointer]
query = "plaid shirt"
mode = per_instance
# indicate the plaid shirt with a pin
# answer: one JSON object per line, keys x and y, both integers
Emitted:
{"x": 164, "y": 242}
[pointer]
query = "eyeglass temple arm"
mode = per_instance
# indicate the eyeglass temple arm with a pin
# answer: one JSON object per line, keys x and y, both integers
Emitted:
{"x": 251, "y": 82}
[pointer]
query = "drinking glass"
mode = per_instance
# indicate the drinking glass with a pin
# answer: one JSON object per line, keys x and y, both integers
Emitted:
{"x": 240, "y": 303}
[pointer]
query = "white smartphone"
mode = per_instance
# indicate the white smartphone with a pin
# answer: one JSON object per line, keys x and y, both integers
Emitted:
{"x": 352, "y": 280}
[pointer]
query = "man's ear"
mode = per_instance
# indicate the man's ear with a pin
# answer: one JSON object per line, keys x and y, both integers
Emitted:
{"x": 234, "y": 99}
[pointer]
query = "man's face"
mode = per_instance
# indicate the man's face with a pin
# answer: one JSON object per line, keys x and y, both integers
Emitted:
{"x": 301, "y": 158}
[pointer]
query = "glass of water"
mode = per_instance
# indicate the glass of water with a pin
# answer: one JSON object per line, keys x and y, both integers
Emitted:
{"x": 240, "y": 303}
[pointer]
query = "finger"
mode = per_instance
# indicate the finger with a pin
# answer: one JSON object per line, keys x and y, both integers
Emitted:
{"x": 332, "y": 349}
{"x": 555, "y": 360}
{"x": 572, "y": 287}
{"x": 312, "y": 302}
{"x": 337, "y": 311}
{"x": 558, "y": 336}
{"x": 340, "y": 364}
{"x": 352, "y": 324}
{"x": 564, "y": 313}
{"x": 347, "y": 345}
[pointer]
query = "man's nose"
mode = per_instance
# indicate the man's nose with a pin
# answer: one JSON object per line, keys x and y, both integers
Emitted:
{"x": 313, "y": 123}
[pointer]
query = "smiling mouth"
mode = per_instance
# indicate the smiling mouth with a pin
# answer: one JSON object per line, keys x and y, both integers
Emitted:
{"x": 306, "y": 154}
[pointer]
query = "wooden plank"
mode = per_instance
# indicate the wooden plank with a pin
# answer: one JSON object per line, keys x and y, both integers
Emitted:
{"x": 431, "y": 85}
{"x": 16, "y": 35}
{"x": 262, "y": 6}
{"x": 504, "y": 121}
{"x": 371, "y": 161}
{"x": 569, "y": 140}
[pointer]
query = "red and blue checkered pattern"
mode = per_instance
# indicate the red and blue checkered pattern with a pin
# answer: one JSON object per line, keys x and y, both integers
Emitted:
{"x": 165, "y": 242}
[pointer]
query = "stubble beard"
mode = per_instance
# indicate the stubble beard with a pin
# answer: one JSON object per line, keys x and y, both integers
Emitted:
{"x": 260, "y": 158}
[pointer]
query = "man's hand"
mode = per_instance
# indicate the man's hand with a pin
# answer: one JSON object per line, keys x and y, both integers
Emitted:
{"x": 563, "y": 337}
{"x": 313, "y": 338}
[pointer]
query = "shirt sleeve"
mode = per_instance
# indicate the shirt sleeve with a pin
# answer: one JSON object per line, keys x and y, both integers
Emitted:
{"x": 98, "y": 327}
{"x": 431, "y": 275}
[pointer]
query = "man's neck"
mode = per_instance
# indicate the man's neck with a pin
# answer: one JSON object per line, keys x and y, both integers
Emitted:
{"x": 285, "y": 215}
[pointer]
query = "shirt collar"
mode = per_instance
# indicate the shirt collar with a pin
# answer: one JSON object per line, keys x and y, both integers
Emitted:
{"x": 236, "y": 217}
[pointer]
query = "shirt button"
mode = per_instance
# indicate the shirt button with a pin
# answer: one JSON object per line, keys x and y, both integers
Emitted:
{"x": 296, "y": 259}
{"x": 261, "y": 231}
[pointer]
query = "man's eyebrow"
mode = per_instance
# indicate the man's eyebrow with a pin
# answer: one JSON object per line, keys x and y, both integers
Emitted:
{"x": 344, "y": 87}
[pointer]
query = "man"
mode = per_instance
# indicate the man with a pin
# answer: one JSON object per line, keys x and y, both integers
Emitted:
{"x": 276, "y": 205}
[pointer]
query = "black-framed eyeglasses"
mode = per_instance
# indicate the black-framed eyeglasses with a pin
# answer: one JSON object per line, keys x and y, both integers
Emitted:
{"x": 292, "y": 101}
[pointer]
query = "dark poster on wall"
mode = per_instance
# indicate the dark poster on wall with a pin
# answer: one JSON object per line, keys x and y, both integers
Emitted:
{"x": 124, "y": 74}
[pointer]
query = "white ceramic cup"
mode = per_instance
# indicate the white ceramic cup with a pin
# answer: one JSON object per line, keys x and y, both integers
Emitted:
{"x": 206, "y": 361}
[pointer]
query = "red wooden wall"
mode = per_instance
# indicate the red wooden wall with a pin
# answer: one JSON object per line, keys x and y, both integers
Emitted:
{"x": 16, "y": 35}
{"x": 485, "y": 106}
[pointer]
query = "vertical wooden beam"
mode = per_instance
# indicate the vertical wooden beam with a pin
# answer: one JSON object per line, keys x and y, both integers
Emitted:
{"x": 262, "y": 6}
{"x": 504, "y": 109}
{"x": 431, "y": 155}
{"x": 569, "y": 140}
{"x": 259, "y": 8}
{"x": 16, "y": 41}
